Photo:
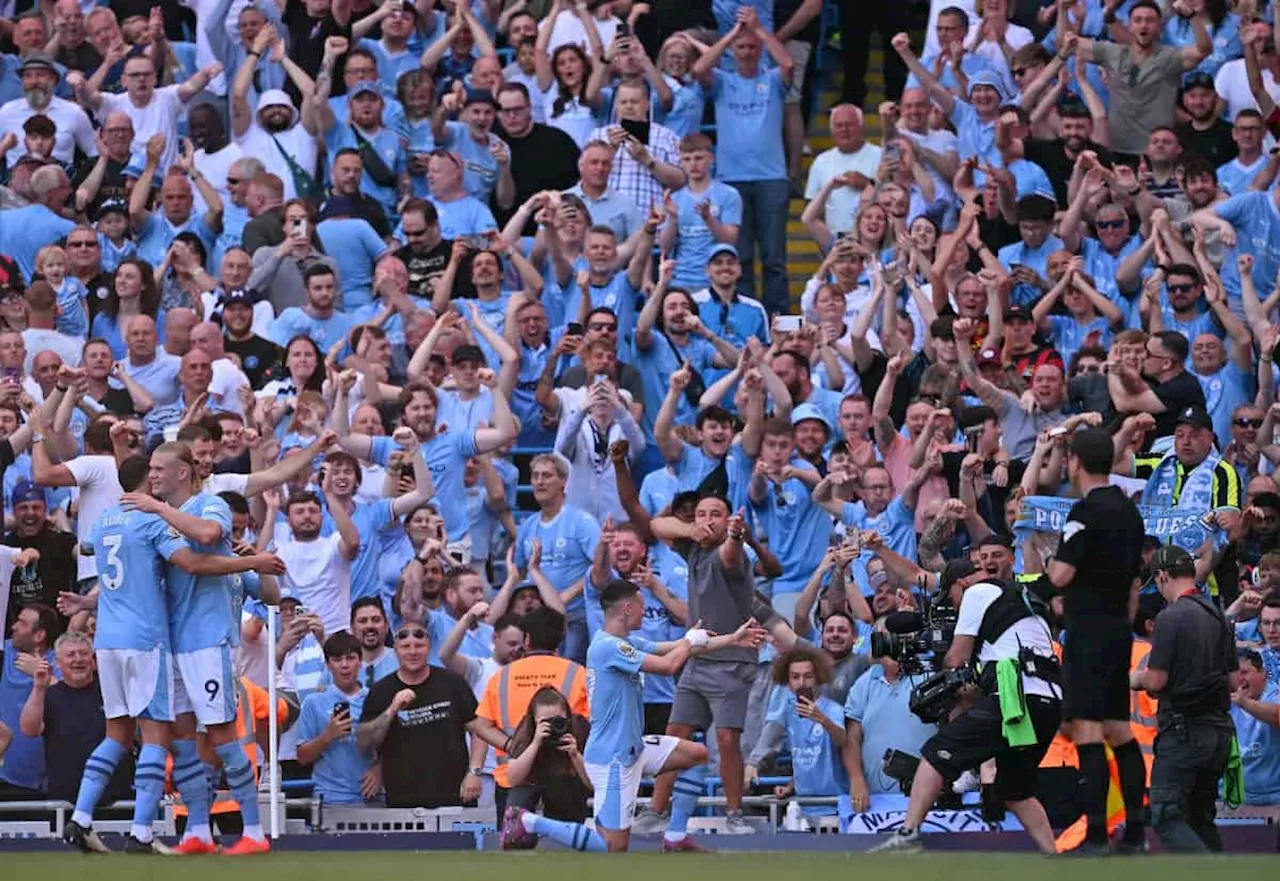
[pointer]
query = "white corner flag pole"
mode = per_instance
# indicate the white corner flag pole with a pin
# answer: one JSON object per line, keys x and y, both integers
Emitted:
{"x": 273, "y": 725}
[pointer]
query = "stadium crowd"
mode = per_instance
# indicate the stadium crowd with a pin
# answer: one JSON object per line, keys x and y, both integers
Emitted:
{"x": 453, "y": 315}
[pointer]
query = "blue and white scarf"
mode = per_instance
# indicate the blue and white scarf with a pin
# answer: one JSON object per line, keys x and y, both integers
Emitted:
{"x": 1184, "y": 528}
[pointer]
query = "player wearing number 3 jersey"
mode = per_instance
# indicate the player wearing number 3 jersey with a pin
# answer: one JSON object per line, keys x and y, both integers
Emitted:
{"x": 133, "y": 643}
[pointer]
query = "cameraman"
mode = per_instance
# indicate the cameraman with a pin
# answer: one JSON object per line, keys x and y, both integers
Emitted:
{"x": 546, "y": 759}
{"x": 998, "y": 628}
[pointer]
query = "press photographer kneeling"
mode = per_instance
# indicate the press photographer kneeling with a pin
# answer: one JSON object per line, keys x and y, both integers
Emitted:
{"x": 1003, "y": 639}
{"x": 546, "y": 759}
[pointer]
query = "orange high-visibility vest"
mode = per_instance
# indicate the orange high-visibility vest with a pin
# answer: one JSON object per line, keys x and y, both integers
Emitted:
{"x": 1061, "y": 752}
{"x": 1142, "y": 721}
{"x": 256, "y": 699}
{"x": 506, "y": 697}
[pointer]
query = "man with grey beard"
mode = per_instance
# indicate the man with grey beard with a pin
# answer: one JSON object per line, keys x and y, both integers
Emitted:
{"x": 40, "y": 78}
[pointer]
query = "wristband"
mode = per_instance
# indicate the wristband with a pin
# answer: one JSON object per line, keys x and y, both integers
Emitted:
{"x": 254, "y": 54}
{"x": 697, "y": 637}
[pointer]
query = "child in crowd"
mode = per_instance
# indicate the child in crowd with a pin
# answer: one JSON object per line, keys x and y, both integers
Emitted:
{"x": 112, "y": 224}
{"x": 73, "y": 310}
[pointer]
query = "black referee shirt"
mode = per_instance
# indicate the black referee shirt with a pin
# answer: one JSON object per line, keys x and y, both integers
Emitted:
{"x": 1102, "y": 539}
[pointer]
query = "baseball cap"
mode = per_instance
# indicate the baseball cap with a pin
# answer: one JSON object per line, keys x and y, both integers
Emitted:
{"x": 809, "y": 411}
{"x": 989, "y": 358}
{"x": 111, "y": 206}
{"x": 364, "y": 87}
{"x": 339, "y": 206}
{"x": 288, "y": 594}
{"x": 722, "y": 248}
{"x": 1198, "y": 80}
{"x": 26, "y": 491}
{"x": 1194, "y": 416}
{"x": 953, "y": 572}
{"x": 39, "y": 61}
{"x": 1017, "y": 313}
{"x": 238, "y": 297}
{"x": 1171, "y": 557}
{"x": 470, "y": 353}
{"x": 479, "y": 96}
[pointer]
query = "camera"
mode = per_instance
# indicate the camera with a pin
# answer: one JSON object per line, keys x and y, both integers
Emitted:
{"x": 558, "y": 727}
{"x": 917, "y": 641}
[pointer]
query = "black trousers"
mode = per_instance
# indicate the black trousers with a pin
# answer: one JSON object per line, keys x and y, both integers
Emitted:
{"x": 856, "y": 22}
{"x": 1189, "y": 761}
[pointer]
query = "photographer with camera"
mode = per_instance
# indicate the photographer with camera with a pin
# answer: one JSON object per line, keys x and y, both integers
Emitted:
{"x": 545, "y": 763}
{"x": 883, "y": 737}
{"x": 1003, "y": 645}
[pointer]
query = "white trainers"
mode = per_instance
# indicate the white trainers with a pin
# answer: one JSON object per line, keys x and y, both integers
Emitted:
{"x": 650, "y": 823}
{"x": 736, "y": 824}
{"x": 901, "y": 841}
{"x": 966, "y": 782}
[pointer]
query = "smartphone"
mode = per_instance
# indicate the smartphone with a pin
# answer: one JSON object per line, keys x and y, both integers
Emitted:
{"x": 893, "y": 152}
{"x": 341, "y": 707}
{"x": 638, "y": 129}
{"x": 574, "y": 329}
{"x": 806, "y": 692}
{"x": 789, "y": 323}
{"x": 300, "y": 226}
{"x": 300, "y": 612}
{"x": 11, "y": 376}
{"x": 624, "y": 30}
{"x": 971, "y": 435}
{"x": 855, "y": 541}
{"x": 1057, "y": 432}
{"x": 599, "y": 378}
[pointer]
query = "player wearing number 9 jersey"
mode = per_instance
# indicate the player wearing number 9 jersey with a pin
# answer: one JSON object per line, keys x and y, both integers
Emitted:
{"x": 133, "y": 652}
{"x": 203, "y": 630}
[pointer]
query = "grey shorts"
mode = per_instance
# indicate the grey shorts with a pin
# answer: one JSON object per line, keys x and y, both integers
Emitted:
{"x": 713, "y": 691}
{"x": 799, "y": 53}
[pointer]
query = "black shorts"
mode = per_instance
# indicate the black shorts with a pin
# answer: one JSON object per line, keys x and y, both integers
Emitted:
{"x": 969, "y": 740}
{"x": 1095, "y": 671}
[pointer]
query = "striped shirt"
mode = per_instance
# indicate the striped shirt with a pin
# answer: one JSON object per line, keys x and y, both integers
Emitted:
{"x": 632, "y": 179}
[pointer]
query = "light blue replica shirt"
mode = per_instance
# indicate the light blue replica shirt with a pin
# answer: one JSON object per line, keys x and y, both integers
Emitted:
{"x": 616, "y": 695}
{"x": 130, "y": 548}
{"x": 337, "y": 772}
{"x": 882, "y": 709}
{"x": 749, "y": 121}
{"x": 202, "y": 608}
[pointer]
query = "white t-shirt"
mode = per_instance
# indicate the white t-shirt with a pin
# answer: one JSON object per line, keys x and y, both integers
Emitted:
{"x": 1031, "y": 633}
{"x": 222, "y": 483}
{"x": 204, "y": 10}
{"x": 1232, "y": 85}
{"x": 99, "y": 489}
{"x": 320, "y": 577}
{"x": 227, "y": 379}
{"x": 73, "y": 128}
{"x": 39, "y": 339}
{"x": 263, "y": 313}
{"x": 257, "y": 143}
{"x": 842, "y": 204}
{"x": 568, "y": 29}
{"x": 215, "y": 167}
{"x": 160, "y": 116}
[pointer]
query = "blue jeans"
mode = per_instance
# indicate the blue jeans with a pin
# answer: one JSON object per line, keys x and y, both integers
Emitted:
{"x": 764, "y": 221}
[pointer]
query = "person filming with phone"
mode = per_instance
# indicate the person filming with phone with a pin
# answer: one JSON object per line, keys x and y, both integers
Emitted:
{"x": 809, "y": 726}
{"x": 326, "y": 730}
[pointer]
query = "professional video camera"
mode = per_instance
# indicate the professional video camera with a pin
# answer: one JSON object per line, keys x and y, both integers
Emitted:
{"x": 918, "y": 641}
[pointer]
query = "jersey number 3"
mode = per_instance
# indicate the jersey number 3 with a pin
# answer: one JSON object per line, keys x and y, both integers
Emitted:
{"x": 112, "y": 569}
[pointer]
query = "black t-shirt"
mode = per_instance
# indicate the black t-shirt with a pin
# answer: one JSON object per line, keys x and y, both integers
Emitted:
{"x": 99, "y": 288}
{"x": 424, "y": 757}
{"x": 1214, "y": 143}
{"x": 118, "y": 401}
{"x": 1052, "y": 157}
{"x": 56, "y": 571}
{"x": 425, "y": 267}
{"x": 1102, "y": 538}
{"x": 307, "y": 36}
{"x": 1194, "y": 646}
{"x": 257, "y": 357}
{"x": 114, "y": 184}
{"x": 992, "y": 510}
{"x": 544, "y": 159}
{"x": 1177, "y": 394}
{"x": 74, "y": 725}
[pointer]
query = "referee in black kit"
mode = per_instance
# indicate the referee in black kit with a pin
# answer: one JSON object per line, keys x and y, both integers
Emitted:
{"x": 1098, "y": 564}
{"x": 1193, "y": 654}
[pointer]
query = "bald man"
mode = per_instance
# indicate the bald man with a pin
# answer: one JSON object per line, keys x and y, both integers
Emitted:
{"x": 846, "y": 168}
{"x": 177, "y": 330}
{"x": 194, "y": 377}
{"x": 150, "y": 366}
{"x": 228, "y": 378}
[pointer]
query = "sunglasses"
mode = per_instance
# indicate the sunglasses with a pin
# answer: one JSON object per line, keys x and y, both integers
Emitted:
{"x": 411, "y": 633}
{"x": 602, "y": 326}
{"x": 1110, "y": 224}
{"x": 1245, "y": 422}
{"x": 92, "y": 244}
{"x": 1180, "y": 288}
{"x": 1090, "y": 368}
{"x": 235, "y": 181}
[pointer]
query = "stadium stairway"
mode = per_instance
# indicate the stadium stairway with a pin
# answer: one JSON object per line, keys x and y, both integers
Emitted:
{"x": 803, "y": 255}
